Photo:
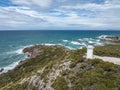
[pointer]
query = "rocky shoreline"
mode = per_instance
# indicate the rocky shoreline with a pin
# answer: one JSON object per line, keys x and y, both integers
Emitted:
{"x": 110, "y": 39}
{"x": 31, "y": 52}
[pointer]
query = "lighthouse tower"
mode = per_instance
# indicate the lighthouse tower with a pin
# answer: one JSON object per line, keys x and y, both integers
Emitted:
{"x": 90, "y": 51}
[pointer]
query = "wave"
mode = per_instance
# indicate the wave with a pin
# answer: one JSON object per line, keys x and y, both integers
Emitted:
{"x": 51, "y": 44}
{"x": 14, "y": 64}
{"x": 71, "y": 48}
{"x": 86, "y": 39}
{"x": 65, "y": 40}
{"x": 17, "y": 54}
{"x": 102, "y": 36}
{"x": 11, "y": 66}
{"x": 75, "y": 43}
{"x": 9, "y": 52}
{"x": 18, "y": 51}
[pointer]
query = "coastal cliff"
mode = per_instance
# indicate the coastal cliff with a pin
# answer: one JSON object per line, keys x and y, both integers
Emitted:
{"x": 59, "y": 68}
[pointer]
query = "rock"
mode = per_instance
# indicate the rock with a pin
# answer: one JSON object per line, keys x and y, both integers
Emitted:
{"x": 28, "y": 55}
{"x": 1, "y": 70}
{"x": 20, "y": 62}
{"x": 28, "y": 49}
{"x": 32, "y": 51}
{"x": 111, "y": 39}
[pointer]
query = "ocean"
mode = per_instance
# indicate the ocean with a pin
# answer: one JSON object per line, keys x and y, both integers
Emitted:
{"x": 12, "y": 42}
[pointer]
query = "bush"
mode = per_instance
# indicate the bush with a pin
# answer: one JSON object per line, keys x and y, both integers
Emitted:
{"x": 60, "y": 84}
{"x": 108, "y": 50}
{"x": 73, "y": 64}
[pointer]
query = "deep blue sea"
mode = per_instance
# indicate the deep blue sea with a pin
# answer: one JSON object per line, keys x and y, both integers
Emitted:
{"x": 12, "y": 42}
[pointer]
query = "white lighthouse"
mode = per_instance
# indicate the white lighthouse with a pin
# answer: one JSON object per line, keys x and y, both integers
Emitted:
{"x": 90, "y": 51}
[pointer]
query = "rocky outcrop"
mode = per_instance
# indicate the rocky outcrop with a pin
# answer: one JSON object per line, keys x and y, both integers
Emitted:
{"x": 32, "y": 51}
{"x": 1, "y": 70}
{"x": 110, "y": 39}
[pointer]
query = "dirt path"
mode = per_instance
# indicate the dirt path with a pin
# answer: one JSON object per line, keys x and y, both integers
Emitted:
{"x": 109, "y": 59}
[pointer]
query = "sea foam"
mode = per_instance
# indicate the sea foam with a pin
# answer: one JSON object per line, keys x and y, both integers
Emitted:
{"x": 19, "y": 51}
{"x": 11, "y": 66}
{"x": 75, "y": 43}
{"x": 14, "y": 64}
{"x": 65, "y": 40}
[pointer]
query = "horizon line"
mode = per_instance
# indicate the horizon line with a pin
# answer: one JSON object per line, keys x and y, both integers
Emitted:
{"x": 58, "y": 30}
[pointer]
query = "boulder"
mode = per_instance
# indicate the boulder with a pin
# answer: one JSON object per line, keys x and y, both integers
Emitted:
{"x": 1, "y": 70}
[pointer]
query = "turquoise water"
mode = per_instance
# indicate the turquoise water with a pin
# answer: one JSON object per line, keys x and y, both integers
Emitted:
{"x": 12, "y": 42}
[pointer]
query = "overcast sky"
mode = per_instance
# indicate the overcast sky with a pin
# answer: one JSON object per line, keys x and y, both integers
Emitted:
{"x": 59, "y": 14}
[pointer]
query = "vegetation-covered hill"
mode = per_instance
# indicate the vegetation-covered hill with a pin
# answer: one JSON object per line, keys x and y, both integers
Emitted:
{"x": 58, "y": 68}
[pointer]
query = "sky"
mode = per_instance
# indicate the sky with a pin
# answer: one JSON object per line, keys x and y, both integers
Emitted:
{"x": 59, "y": 14}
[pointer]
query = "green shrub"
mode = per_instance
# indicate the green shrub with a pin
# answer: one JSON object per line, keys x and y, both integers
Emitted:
{"x": 73, "y": 64}
{"x": 60, "y": 84}
{"x": 108, "y": 50}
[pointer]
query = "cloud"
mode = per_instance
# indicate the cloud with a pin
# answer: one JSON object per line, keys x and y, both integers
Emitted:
{"x": 33, "y": 3}
{"x": 93, "y": 6}
{"x": 43, "y": 3}
{"x": 68, "y": 14}
{"x": 19, "y": 18}
{"x": 96, "y": 15}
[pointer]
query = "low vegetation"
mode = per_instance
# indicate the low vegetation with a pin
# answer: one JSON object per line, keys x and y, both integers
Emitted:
{"x": 96, "y": 75}
{"x": 83, "y": 74}
{"x": 108, "y": 50}
{"x": 60, "y": 84}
